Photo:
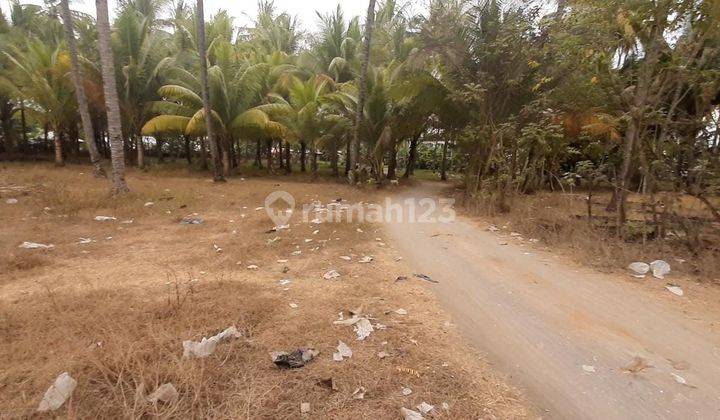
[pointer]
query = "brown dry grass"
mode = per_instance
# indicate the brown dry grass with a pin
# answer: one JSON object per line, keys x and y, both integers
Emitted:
{"x": 113, "y": 313}
{"x": 559, "y": 221}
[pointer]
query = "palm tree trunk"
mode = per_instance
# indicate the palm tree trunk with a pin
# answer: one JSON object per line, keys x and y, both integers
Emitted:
{"x": 209, "y": 123}
{"x": 141, "y": 151}
{"x": 355, "y": 148}
{"x": 58, "y": 140}
{"x": 288, "y": 163}
{"x": 225, "y": 147}
{"x": 112, "y": 106}
{"x": 392, "y": 164}
{"x": 203, "y": 153}
{"x": 281, "y": 156}
{"x": 443, "y": 165}
{"x": 188, "y": 154}
{"x": 412, "y": 156}
{"x": 23, "y": 123}
{"x": 258, "y": 154}
{"x": 334, "y": 161}
{"x": 268, "y": 154}
{"x": 347, "y": 158}
{"x": 77, "y": 79}
{"x": 303, "y": 154}
{"x": 314, "y": 162}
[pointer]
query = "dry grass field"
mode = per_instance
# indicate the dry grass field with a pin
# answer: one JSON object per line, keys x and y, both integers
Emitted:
{"x": 114, "y": 312}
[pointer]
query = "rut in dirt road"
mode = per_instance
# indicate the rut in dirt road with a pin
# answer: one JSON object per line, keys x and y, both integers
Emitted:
{"x": 580, "y": 343}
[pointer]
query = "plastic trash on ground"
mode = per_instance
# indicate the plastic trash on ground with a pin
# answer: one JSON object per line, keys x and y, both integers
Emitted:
{"x": 660, "y": 269}
{"x": 164, "y": 393}
{"x": 363, "y": 328}
{"x": 410, "y": 414}
{"x": 639, "y": 269}
{"x": 342, "y": 352}
{"x": 35, "y": 245}
{"x": 58, "y": 393}
{"x": 676, "y": 290}
{"x": 296, "y": 359}
{"x": 206, "y": 347}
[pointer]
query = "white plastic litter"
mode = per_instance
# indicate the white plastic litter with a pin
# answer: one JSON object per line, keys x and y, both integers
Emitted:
{"x": 345, "y": 257}
{"x": 363, "y": 328}
{"x": 588, "y": 368}
{"x": 164, "y": 393}
{"x": 660, "y": 269}
{"x": 366, "y": 259}
{"x": 342, "y": 352}
{"x": 150, "y": 204}
{"x": 331, "y": 274}
{"x": 85, "y": 240}
{"x": 104, "y": 218}
{"x": 679, "y": 379}
{"x": 401, "y": 311}
{"x": 406, "y": 391}
{"x": 305, "y": 407}
{"x": 206, "y": 347}
{"x": 11, "y": 201}
{"x": 425, "y": 408}
{"x": 252, "y": 267}
{"x": 58, "y": 393}
{"x": 35, "y": 245}
{"x": 410, "y": 414}
{"x": 359, "y": 393}
{"x": 639, "y": 269}
{"x": 677, "y": 290}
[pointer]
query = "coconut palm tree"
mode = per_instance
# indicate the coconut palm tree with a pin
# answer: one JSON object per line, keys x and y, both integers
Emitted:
{"x": 205, "y": 89}
{"x": 355, "y": 147}
{"x": 300, "y": 113}
{"x": 77, "y": 78}
{"x": 37, "y": 77}
{"x": 112, "y": 104}
{"x": 140, "y": 46}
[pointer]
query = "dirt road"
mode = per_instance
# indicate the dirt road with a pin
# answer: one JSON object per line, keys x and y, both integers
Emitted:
{"x": 564, "y": 334}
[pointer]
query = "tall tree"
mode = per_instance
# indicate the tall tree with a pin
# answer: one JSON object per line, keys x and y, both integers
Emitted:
{"x": 76, "y": 74}
{"x": 112, "y": 104}
{"x": 355, "y": 147}
{"x": 209, "y": 123}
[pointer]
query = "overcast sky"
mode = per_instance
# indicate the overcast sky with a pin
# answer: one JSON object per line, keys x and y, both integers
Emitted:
{"x": 241, "y": 9}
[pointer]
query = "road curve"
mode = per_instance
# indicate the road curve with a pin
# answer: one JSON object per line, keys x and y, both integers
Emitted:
{"x": 564, "y": 334}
